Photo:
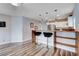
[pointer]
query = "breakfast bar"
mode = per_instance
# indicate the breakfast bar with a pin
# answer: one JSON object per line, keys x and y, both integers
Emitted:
{"x": 63, "y": 39}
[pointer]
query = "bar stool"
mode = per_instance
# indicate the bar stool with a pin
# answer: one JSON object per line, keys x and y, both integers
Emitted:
{"x": 37, "y": 34}
{"x": 47, "y": 34}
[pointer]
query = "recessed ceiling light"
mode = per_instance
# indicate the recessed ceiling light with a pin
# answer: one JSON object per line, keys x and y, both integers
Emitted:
{"x": 56, "y": 10}
{"x": 46, "y": 12}
{"x": 39, "y": 14}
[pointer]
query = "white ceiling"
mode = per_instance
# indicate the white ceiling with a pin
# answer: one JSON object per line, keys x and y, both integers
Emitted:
{"x": 32, "y": 10}
{"x": 7, "y": 9}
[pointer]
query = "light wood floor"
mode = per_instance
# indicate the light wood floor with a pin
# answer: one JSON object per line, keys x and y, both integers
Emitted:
{"x": 30, "y": 49}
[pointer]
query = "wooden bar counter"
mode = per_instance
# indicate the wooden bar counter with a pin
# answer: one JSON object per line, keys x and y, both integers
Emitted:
{"x": 76, "y": 38}
{"x": 70, "y": 35}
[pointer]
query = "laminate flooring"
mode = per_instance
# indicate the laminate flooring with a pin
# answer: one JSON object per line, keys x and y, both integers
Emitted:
{"x": 30, "y": 49}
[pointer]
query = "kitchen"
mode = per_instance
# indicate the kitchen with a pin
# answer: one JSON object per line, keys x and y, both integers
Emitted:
{"x": 64, "y": 35}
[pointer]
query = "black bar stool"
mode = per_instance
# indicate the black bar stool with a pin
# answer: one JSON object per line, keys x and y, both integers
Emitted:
{"x": 47, "y": 34}
{"x": 37, "y": 34}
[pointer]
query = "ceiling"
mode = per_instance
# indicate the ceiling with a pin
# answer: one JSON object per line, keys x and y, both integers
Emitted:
{"x": 45, "y": 11}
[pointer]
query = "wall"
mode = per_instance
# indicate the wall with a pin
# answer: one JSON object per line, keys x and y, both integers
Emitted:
{"x": 17, "y": 29}
{"x": 5, "y": 10}
{"x": 5, "y": 32}
{"x": 20, "y": 28}
{"x": 43, "y": 25}
{"x": 76, "y": 15}
{"x": 27, "y": 34}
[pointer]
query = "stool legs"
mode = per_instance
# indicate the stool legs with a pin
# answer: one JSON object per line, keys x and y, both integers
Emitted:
{"x": 47, "y": 44}
{"x": 36, "y": 41}
{"x": 47, "y": 34}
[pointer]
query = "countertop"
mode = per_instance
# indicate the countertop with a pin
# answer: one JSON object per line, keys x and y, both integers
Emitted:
{"x": 57, "y": 31}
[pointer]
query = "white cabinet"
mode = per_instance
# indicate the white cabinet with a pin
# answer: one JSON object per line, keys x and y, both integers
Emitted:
{"x": 71, "y": 21}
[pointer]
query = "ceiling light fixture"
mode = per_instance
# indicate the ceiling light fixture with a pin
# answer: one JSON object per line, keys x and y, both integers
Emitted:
{"x": 16, "y": 4}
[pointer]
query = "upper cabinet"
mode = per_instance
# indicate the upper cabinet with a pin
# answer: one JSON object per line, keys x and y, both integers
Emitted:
{"x": 70, "y": 21}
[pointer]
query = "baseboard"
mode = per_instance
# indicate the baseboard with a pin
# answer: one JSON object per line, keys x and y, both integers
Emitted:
{"x": 4, "y": 43}
{"x": 16, "y": 42}
{"x": 27, "y": 41}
